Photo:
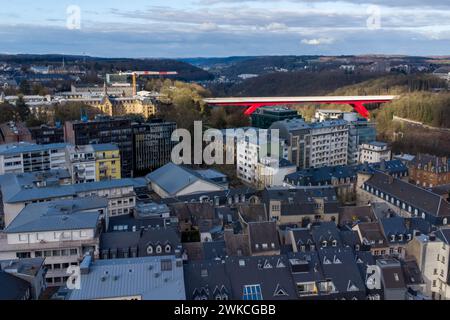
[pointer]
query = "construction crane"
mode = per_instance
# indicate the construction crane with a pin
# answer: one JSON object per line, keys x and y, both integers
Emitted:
{"x": 135, "y": 74}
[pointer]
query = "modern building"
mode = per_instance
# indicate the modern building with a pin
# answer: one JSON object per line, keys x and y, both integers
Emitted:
{"x": 429, "y": 171}
{"x": 360, "y": 132}
{"x": 374, "y": 151}
{"x": 29, "y": 157}
{"x": 314, "y": 144}
{"x": 264, "y": 117}
{"x": 146, "y": 278}
{"x": 45, "y": 134}
{"x": 104, "y": 130}
{"x": 152, "y": 145}
{"x": 62, "y": 232}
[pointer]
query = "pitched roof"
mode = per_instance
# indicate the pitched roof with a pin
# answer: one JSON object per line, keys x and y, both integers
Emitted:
{"x": 413, "y": 195}
{"x": 263, "y": 236}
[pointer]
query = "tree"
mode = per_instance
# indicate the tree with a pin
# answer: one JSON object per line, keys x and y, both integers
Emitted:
{"x": 22, "y": 109}
{"x": 25, "y": 87}
{"x": 8, "y": 112}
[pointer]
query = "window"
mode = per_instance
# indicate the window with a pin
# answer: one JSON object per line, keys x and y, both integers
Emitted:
{"x": 252, "y": 292}
{"x": 166, "y": 265}
{"x": 167, "y": 248}
{"x": 158, "y": 249}
{"x": 149, "y": 249}
{"x": 23, "y": 237}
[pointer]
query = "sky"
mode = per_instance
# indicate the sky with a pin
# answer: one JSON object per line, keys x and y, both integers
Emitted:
{"x": 218, "y": 28}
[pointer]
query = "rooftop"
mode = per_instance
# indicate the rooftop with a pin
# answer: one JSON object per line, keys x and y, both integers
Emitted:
{"x": 146, "y": 278}
{"x": 58, "y": 215}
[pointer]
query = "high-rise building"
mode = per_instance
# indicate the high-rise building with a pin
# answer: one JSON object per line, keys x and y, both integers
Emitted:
{"x": 264, "y": 117}
{"x": 360, "y": 131}
{"x": 314, "y": 144}
{"x": 104, "y": 130}
{"x": 152, "y": 145}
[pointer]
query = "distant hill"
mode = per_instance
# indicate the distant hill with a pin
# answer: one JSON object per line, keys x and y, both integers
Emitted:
{"x": 302, "y": 83}
{"x": 187, "y": 72}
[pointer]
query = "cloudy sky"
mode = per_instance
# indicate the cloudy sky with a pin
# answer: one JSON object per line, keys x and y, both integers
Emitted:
{"x": 194, "y": 28}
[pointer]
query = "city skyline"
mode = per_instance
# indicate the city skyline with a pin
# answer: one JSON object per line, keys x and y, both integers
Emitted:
{"x": 207, "y": 28}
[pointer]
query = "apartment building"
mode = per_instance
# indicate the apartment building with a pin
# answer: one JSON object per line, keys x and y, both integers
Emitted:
{"x": 104, "y": 130}
{"x": 374, "y": 151}
{"x": 62, "y": 232}
{"x": 20, "y": 190}
{"x": 314, "y": 144}
{"x": 29, "y": 157}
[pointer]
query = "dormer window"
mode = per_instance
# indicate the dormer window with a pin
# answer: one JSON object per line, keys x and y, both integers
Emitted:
{"x": 409, "y": 236}
{"x": 392, "y": 237}
{"x": 158, "y": 249}
{"x": 150, "y": 250}
{"x": 324, "y": 244}
{"x": 334, "y": 243}
{"x": 400, "y": 237}
{"x": 167, "y": 248}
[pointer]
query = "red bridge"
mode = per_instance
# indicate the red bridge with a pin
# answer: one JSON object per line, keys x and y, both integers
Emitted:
{"x": 357, "y": 102}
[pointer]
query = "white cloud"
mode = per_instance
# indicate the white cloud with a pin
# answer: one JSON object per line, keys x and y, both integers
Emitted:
{"x": 317, "y": 41}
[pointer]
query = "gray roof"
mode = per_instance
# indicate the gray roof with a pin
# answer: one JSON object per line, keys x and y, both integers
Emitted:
{"x": 141, "y": 277}
{"x": 339, "y": 265}
{"x": 173, "y": 178}
{"x": 415, "y": 196}
{"x": 23, "y": 187}
{"x": 139, "y": 240}
{"x": 325, "y": 231}
{"x": 206, "y": 279}
{"x": 25, "y": 147}
{"x": 12, "y": 288}
{"x": 58, "y": 215}
{"x": 263, "y": 233}
{"x": 27, "y": 266}
{"x": 272, "y": 273}
{"x": 296, "y": 201}
{"x": 214, "y": 250}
